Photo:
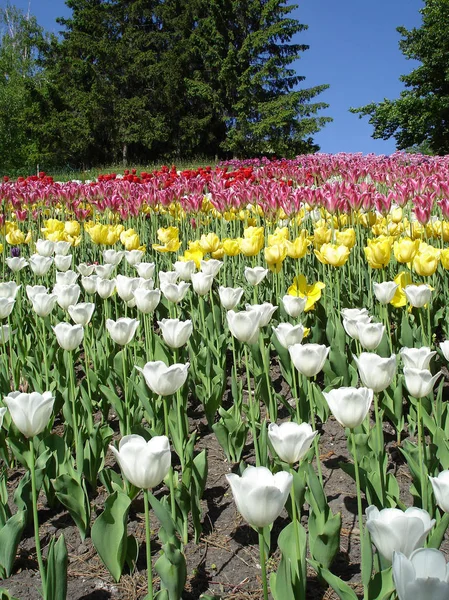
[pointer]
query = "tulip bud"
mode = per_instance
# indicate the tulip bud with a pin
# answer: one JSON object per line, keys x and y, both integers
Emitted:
{"x": 230, "y": 297}
{"x": 69, "y": 336}
{"x": 420, "y": 382}
{"x": 294, "y": 305}
{"x": 105, "y": 288}
{"x": 145, "y": 270}
{"x": 308, "y": 359}
{"x": 31, "y": 413}
{"x": 202, "y": 283}
{"x": 123, "y": 330}
{"x": 288, "y": 334}
{"x": 176, "y": 333}
{"x": 147, "y": 300}
{"x": 81, "y": 314}
{"x": 259, "y": 495}
{"x": 290, "y": 440}
{"x": 164, "y": 380}
{"x": 244, "y": 325}
{"x": 256, "y": 275}
{"x": 144, "y": 464}
{"x": 62, "y": 262}
{"x": 376, "y": 372}
{"x": 370, "y": 334}
{"x": 393, "y": 530}
{"x": 385, "y": 291}
{"x": 349, "y": 405}
{"x": 418, "y": 295}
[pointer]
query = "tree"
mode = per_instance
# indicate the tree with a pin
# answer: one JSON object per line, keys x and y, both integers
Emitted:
{"x": 421, "y": 114}
{"x": 20, "y": 39}
{"x": 262, "y": 107}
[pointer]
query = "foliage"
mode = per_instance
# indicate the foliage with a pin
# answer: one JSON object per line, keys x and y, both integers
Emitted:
{"x": 420, "y": 114}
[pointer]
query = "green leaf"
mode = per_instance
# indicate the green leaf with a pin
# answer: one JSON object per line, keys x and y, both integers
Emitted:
{"x": 172, "y": 570}
{"x": 57, "y": 560}
{"x": 341, "y": 588}
{"x": 73, "y": 495}
{"x": 109, "y": 533}
{"x": 10, "y": 536}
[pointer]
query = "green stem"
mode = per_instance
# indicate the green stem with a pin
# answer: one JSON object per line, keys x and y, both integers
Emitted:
{"x": 380, "y": 448}
{"x": 148, "y": 545}
{"x": 79, "y": 463}
{"x": 295, "y": 522}
{"x": 421, "y": 457}
{"x": 266, "y": 367}
{"x": 170, "y": 472}
{"x": 359, "y": 502}
{"x": 315, "y": 440}
{"x": 44, "y": 341}
{"x": 125, "y": 392}
{"x": 263, "y": 564}
{"x": 251, "y": 408}
{"x": 36, "y": 520}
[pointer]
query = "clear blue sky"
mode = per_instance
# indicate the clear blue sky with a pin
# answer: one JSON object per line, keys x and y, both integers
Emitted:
{"x": 353, "y": 47}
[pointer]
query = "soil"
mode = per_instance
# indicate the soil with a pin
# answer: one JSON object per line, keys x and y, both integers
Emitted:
{"x": 226, "y": 561}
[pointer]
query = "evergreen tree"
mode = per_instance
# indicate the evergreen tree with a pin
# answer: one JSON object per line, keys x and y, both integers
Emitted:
{"x": 420, "y": 116}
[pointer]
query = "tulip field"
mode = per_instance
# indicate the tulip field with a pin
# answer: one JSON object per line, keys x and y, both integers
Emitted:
{"x": 227, "y": 382}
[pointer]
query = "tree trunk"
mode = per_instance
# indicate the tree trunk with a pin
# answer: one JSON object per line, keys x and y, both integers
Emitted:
{"x": 125, "y": 155}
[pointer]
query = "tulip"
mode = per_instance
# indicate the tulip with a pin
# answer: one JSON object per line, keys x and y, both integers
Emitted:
{"x": 376, "y": 372}
{"x": 105, "y": 288}
{"x": 40, "y": 265}
{"x": 176, "y": 333}
{"x": 69, "y": 336}
{"x": 288, "y": 334}
{"x": 230, "y": 297}
{"x": 85, "y": 270}
{"x": 145, "y": 284}
{"x": 44, "y": 303}
{"x": 81, "y": 314}
{"x": 422, "y": 576}
{"x": 211, "y": 266}
{"x": 5, "y": 334}
{"x": 104, "y": 271}
{"x": 405, "y": 249}
{"x": 63, "y": 263}
{"x": 349, "y": 405}
{"x": 164, "y": 380}
{"x": 266, "y": 311}
{"x": 113, "y": 257}
{"x": 147, "y": 300}
{"x": 9, "y": 289}
{"x": 123, "y": 330}
{"x": 67, "y": 278}
{"x": 420, "y": 382}
{"x": 294, "y": 305}
{"x": 418, "y": 295}
{"x": 62, "y": 248}
{"x": 89, "y": 284}
{"x": 16, "y": 263}
{"x": 393, "y": 530}
{"x": 45, "y": 248}
{"x": 2, "y": 414}
{"x": 370, "y": 334}
{"x": 290, "y": 440}
{"x": 133, "y": 257}
{"x": 385, "y": 291}
{"x": 6, "y": 306}
{"x": 244, "y": 325}
{"x": 168, "y": 277}
{"x": 308, "y": 359}
{"x": 145, "y": 270}
{"x": 259, "y": 495}
{"x": 440, "y": 485}
{"x": 144, "y": 464}
{"x": 126, "y": 286}
{"x": 416, "y": 358}
{"x": 33, "y": 290}
{"x": 184, "y": 269}
{"x": 202, "y": 283}
{"x": 174, "y": 292}
{"x": 31, "y": 413}
{"x": 255, "y": 275}
{"x": 352, "y": 316}
{"x": 444, "y": 347}
{"x": 67, "y": 294}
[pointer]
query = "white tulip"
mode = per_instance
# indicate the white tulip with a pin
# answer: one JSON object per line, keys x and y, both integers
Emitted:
{"x": 113, "y": 257}
{"x": 420, "y": 382}
{"x": 376, "y": 372}
{"x": 6, "y": 306}
{"x": 385, "y": 291}
{"x": 147, "y": 300}
{"x": 288, "y": 334}
{"x": 31, "y": 413}
{"x": 45, "y": 247}
{"x": 67, "y": 294}
{"x": 44, "y": 303}
{"x": 40, "y": 265}
{"x": 184, "y": 269}
{"x": 211, "y": 266}
{"x": 266, "y": 311}
{"x": 105, "y": 271}
{"x": 16, "y": 263}
{"x": 126, "y": 286}
{"x": 349, "y": 405}
{"x": 85, "y": 270}
{"x": 422, "y": 576}
{"x": 62, "y": 248}
{"x": 63, "y": 262}
{"x": 133, "y": 257}
{"x": 174, "y": 292}
{"x": 90, "y": 284}
{"x": 440, "y": 485}
{"x": 416, "y": 358}
{"x": 202, "y": 283}
{"x": 69, "y": 336}
{"x": 175, "y": 333}
{"x": 418, "y": 295}
{"x": 444, "y": 347}
{"x": 244, "y": 325}
{"x": 369, "y": 334}
{"x": 81, "y": 314}
{"x": 255, "y": 275}
{"x": 308, "y": 359}
{"x": 294, "y": 305}
{"x": 230, "y": 297}
{"x": 9, "y": 289}
{"x": 105, "y": 287}
{"x": 32, "y": 290}
{"x": 68, "y": 278}
{"x": 164, "y": 380}
{"x": 145, "y": 270}
{"x": 123, "y": 330}
{"x": 290, "y": 440}
{"x": 168, "y": 277}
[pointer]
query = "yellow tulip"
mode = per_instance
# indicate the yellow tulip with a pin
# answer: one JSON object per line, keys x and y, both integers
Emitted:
{"x": 346, "y": 237}
{"x": 378, "y": 252}
{"x": 321, "y": 235}
{"x": 298, "y": 248}
{"x": 131, "y": 242}
{"x": 231, "y": 247}
{"x": 333, "y": 254}
{"x": 396, "y": 215}
{"x": 195, "y": 255}
{"x": 278, "y": 237}
{"x": 444, "y": 257}
{"x": 301, "y": 288}
{"x": 275, "y": 256}
{"x": 72, "y": 228}
{"x": 209, "y": 243}
{"x": 170, "y": 246}
{"x": 426, "y": 260}
{"x": 15, "y": 237}
{"x": 367, "y": 219}
{"x": 405, "y": 250}
{"x": 403, "y": 280}
{"x": 165, "y": 235}
{"x": 218, "y": 254}
{"x": 251, "y": 231}
{"x": 52, "y": 226}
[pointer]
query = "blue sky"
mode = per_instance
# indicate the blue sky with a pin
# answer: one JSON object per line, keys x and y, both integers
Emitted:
{"x": 353, "y": 47}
